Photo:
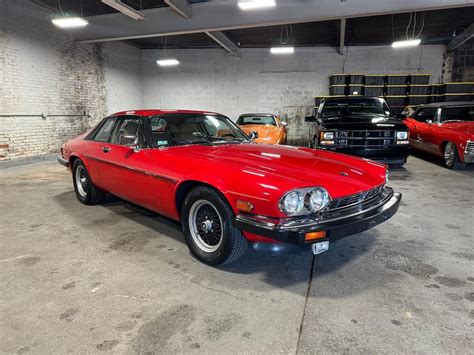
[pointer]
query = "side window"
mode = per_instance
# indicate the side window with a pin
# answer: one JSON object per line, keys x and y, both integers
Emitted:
{"x": 159, "y": 134}
{"x": 129, "y": 126}
{"x": 103, "y": 134}
{"x": 424, "y": 114}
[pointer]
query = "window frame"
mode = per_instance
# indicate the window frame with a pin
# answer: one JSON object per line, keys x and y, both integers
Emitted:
{"x": 119, "y": 120}
{"x": 92, "y": 135}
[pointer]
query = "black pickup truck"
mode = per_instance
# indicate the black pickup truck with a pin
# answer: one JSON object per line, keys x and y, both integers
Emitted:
{"x": 361, "y": 126}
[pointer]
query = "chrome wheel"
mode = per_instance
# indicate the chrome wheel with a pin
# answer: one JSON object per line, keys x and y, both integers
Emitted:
{"x": 449, "y": 154}
{"x": 82, "y": 182}
{"x": 205, "y": 225}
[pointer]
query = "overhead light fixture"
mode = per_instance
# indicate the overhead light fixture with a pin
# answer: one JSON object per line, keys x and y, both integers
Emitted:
{"x": 407, "y": 43}
{"x": 124, "y": 9}
{"x": 167, "y": 62}
{"x": 282, "y": 50}
{"x": 69, "y": 22}
{"x": 255, "y": 4}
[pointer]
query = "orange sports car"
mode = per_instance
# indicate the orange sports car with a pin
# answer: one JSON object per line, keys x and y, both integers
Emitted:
{"x": 267, "y": 128}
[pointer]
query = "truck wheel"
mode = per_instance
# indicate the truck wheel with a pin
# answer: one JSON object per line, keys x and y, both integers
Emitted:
{"x": 208, "y": 227}
{"x": 86, "y": 191}
{"x": 451, "y": 157}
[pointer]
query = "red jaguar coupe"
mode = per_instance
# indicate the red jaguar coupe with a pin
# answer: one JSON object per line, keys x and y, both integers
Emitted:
{"x": 201, "y": 169}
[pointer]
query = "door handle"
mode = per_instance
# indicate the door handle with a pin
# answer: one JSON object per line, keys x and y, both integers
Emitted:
{"x": 106, "y": 149}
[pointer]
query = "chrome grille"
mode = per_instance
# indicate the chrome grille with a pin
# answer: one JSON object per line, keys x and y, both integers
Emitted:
{"x": 365, "y": 138}
{"x": 470, "y": 147}
{"x": 350, "y": 200}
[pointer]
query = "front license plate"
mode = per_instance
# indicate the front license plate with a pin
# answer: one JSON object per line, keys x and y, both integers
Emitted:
{"x": 320, "y": 247}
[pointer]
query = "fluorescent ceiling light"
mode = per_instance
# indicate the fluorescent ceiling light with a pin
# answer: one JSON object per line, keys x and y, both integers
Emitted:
{"x": 69, "y": 22}
{"x": 407, "y": 43}
{"x": 255, "y": 4}
{"x": 282, "y": 50}
{"x": 167, "y": 62}
{"x": 124, "y": 9}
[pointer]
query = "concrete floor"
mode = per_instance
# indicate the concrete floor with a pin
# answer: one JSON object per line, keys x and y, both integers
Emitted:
{"x": 120, "y": 279}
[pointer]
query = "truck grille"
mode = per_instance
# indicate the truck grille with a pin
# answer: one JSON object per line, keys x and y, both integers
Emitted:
{"x": 470, "y": 147}
{"x": 350, "y": 200}
{"x": 365, "y": 139}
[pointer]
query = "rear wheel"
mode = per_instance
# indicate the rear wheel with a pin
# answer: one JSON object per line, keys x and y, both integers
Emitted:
{"x": 451, "y": 157}
{"x": 86, "y": 191}
{"x": 208, "y": 227}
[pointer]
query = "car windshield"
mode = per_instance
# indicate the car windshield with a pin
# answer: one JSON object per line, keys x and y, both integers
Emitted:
{"x": 191, "y": 128}
{"x": 256, "y": 119}
{"x": 457, "y": 114}
{"x": 351, "y": 107}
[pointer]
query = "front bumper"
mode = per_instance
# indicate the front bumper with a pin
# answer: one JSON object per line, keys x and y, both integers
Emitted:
{"x": 63, "y": 161}
{"x": 389, "y": 155}
{"x": 468, "y": 158}
{"x": 337, "y": 223}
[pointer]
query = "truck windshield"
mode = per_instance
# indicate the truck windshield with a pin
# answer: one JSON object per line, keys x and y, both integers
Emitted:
{"x": 352, "y": 107}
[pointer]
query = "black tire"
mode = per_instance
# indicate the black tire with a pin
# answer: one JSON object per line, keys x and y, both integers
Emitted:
{"x": 86, "y": 192}
{"x": 397, "y": 165}
{"x": 451, "y": 157}
{"x": 219, "y": 242}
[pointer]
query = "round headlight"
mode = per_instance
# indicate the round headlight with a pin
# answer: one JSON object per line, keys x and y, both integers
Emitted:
{"x": 317, "y": 199}
{"x": 292, "y": 203}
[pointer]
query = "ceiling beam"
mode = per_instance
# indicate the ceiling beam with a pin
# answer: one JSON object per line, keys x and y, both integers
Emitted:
{"x": 342, "y": 36}
{"x": 220, "y": 15}
{"x": 462, "y": 38}
{"x": 225, "y": 42}
{"x": 182, "y": 7}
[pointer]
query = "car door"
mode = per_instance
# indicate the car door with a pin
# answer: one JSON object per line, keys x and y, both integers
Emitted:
{"x": 421, "y": 131}
{"x": 126, "y": 171}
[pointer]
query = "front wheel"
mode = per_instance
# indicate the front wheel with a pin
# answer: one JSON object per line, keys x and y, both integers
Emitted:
{"x": 86, "y": 191}
{"x": 451, "y": 157}
{"x": 208, "y": 228}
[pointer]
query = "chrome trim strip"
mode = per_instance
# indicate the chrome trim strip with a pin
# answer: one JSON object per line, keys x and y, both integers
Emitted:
{"x": 137, "y": 170}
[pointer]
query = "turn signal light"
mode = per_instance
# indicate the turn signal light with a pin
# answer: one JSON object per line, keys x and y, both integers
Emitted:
{"x": 244, "y": 206}
{"x": 315, "y": 235}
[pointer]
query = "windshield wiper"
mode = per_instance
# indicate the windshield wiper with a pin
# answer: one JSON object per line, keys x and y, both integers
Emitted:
{"x": 222, "y": 139}
{"x": 453, "y": 121}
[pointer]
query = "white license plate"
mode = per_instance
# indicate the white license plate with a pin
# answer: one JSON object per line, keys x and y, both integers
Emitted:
{"x": 320, "y": 247}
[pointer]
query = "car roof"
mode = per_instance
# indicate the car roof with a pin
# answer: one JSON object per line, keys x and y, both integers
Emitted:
{"x": 153, "y": 112}
{"x": 449, "y": 103}
{"x": 256, "y": 114}
{"x": 356, "y": 97}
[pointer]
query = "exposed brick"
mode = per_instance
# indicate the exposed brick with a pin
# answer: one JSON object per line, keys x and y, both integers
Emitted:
{"x": 43, "y": 71}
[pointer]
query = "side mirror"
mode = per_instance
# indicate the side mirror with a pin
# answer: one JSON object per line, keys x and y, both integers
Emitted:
{"x": 310, "y": 119}
{"x": 284, "y": 124}
{"x": 130, "y": 141}
{"x": 253, "y": 135}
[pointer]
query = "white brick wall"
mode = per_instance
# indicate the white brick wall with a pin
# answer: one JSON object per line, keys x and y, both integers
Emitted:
{"x": 44, "y": 71}
{"x": 262, "y": 82}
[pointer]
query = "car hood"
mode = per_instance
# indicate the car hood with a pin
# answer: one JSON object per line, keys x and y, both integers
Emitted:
{"x": 340, "y": 174}
{"x": 466, "y": 128}
{"x": 263, "y": 130}
{"x": 369, "y": 122}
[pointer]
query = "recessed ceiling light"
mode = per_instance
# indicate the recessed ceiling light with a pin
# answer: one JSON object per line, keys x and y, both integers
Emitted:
{"x": 282, "y": 50}
{"x": 167, "y": 62}
{"x": 407, "y": 43}
{"x": 69, "y": 22}
{"x": 124, "y": 9}
{"x": 255, "y": 4}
